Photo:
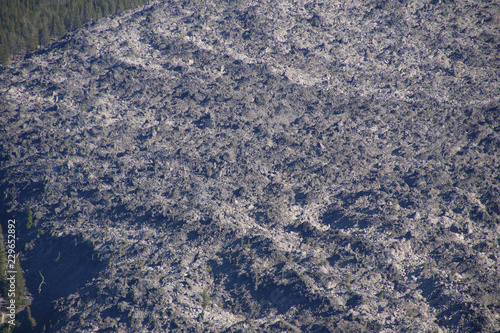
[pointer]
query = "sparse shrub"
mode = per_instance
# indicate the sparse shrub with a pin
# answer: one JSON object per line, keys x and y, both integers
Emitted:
{"x": 20, "y": 284}
{"x": 394, "y": 206}
{"x": 412, "y": 312}
{"x": 430, "y": 267}
{"x": 349, "y": 279}
{"x": 29, "y": 222}
{"x": 209, "y": 170}
{"x": 31, "y": 320}
{"x": 133, "y": 319}
{"x": 69, "y": 212}
{"x": 205, "y": 298}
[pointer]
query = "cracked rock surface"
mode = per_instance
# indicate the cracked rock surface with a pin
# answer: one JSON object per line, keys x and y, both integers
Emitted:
{"x": 250, "y": 166}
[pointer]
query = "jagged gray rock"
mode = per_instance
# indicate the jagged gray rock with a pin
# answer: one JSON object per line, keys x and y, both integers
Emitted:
{"x": 311, "y": 166}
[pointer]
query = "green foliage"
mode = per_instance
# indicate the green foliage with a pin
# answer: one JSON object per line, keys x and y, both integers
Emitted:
{"x": 206, "y": 298}
{"x": 121, "y": 247}
{"x": 20, "y": 284}
{"x": 209, "y": 170}
{"x": 412, "y": 312}
{"x": 133, "y": 320}
{"x": 69, "y": 212}
{"x": 29, "y": 222}
{"x": 394, "y": 206}
{"x": 20, "y": 289}
{"x": 31, "y": 320}
{"x": 3, "y": 267}
{"x": 26, "y": 25}
{"x": 349, "y": 279}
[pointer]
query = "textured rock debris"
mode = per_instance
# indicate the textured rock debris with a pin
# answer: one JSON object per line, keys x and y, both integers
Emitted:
{"x": 248, "y": 166}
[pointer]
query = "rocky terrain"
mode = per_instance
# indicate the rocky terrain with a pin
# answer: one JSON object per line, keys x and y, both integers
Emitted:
{"x": 254, "y": 166}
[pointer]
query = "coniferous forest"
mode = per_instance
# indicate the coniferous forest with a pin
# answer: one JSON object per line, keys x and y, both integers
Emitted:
{"x": 27, "y": 25}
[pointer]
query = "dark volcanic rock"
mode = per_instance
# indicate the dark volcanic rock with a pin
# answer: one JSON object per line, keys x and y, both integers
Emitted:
{"x": 235, "y": 166}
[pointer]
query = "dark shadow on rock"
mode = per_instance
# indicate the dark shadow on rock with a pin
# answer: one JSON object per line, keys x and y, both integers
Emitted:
{"x": 300, "y": 198}
{"x": 355, "y": 300}
{"x": 305, "y": 230}
{"x": 464, "y": 315}
{"x": 338, "y": 219}
{"x": 411, "y": 180}
{"x": 66, "y": 264}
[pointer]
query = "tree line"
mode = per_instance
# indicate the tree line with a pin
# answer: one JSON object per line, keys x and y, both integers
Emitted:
{"x": 27, "y": 25}
{"x": 19, "y": 290}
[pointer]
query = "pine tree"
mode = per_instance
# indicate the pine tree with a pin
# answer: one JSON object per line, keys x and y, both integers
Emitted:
{"x": 105, "y": 8}
{"x": 4, "y": 49}
{"x": 31, "y": 320}
{"x": 15, "y": 43}
{"x": 44, "y": 34}
{"x": 20, "y": 284}
{"x": 29, "y": 219}
{"x": 3, "y": 267}
{"x": 57, "y": 28}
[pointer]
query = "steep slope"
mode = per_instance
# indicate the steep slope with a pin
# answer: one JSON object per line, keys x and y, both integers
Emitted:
{"x": 253, "y": 166}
